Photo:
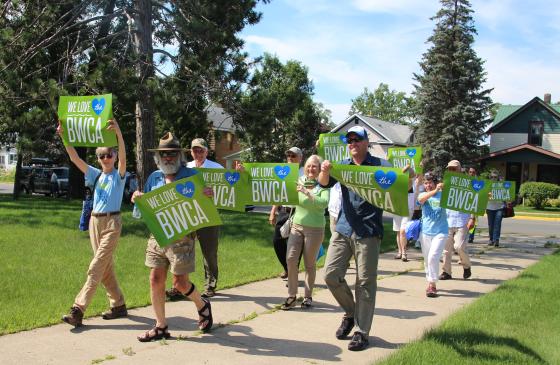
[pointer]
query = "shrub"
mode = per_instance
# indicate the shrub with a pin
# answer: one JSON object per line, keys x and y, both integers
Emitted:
{"x": 555, "y": 203}
{"x": 539, "y": 192}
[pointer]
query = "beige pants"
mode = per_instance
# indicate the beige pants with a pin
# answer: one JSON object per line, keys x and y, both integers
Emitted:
{"x": 104, "y": 233}
{"x": 309, "y": 240}
{"x": 456, "y": 240}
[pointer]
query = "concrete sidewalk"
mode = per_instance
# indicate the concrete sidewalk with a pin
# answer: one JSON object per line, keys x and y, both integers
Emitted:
{"x": 249, "y": 330}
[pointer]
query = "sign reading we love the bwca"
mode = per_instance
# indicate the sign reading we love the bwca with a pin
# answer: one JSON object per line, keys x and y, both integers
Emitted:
{"x": 231, "y": 188}
{"x": 384, "y": 187}
{"x": 465, "y": 193}
{"x": 402, "y": 156}
{"x": 177, "y": 209}
{"x": 273, "y": 183}
{"x": 84, "y": 120}
{"x": 502, "y": 190}
{"x": 333, "y": 147}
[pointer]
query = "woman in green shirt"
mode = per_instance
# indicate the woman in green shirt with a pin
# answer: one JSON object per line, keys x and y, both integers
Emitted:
{"x": 307, "y": 232}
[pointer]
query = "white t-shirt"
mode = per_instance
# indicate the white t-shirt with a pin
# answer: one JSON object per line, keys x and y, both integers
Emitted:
{"x": 335, "y": 200}
{"x": 207, "y": 164}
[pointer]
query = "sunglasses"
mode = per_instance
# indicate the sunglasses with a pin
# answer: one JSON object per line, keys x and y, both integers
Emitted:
{"x": 353, "y": 140}
{"x": 169, "y": 153}
{"x": 104, "y": 156}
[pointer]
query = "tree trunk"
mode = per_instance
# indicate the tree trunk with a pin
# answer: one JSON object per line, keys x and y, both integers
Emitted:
{"x": 145, "y": 128}
{"x": 17, "y": 178}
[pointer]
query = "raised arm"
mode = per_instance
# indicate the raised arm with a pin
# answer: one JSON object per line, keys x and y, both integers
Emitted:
{"x": 76, "y": 160}
{"x": 113, "y": 125}
{"x": 422, "y": 198}
{"x": 325, "y": 174}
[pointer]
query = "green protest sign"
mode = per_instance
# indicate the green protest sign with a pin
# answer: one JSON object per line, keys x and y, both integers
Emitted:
{"x": 333, "y": 147}
{"x": 273, "y": 183}
{"x": 231, "y": 188}
{"x": 384, "y": 187}
{"x": 177, "y": 209}
{"x": 401, "y": 156}
{"x": 84, "y": 120}
{"x": 502, "y": 190}
{"x": 465, "y": 193}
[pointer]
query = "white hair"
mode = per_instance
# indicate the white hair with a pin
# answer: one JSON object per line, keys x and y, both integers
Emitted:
{"x": 169, "y": 168}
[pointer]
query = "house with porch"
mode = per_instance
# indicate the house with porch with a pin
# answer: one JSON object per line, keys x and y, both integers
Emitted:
{"x": 525, "y": 142}
{"x": 381, "y": 134}
{"x": 8, "y": 157}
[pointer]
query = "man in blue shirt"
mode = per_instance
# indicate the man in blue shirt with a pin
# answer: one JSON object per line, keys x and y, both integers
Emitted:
{"x": 177, "y": 257}
{"x": 359, "y": 230}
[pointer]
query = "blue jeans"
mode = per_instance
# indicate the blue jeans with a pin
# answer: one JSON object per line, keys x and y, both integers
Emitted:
{"x": 494, "y": 223}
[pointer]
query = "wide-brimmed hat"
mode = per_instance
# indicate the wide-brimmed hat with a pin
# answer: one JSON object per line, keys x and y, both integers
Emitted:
{"x": 168, "y": 143}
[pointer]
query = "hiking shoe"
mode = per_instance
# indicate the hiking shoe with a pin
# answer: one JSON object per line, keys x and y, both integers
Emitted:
{"x": 208, "y": 293}
{"x": 115, "y": 312}
{"x": 431, "y": 291}
{"x": 174, "y": 295}
{"x": 467, "y": 273}
{"x": 359, "y": 342}
{"x": 345, "y": 327}
{"x": 445, "y": 276}
{"x": 74, "y": 318}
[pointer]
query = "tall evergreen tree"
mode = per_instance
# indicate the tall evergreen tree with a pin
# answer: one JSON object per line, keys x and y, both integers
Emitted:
{"x": 451, "y": 104}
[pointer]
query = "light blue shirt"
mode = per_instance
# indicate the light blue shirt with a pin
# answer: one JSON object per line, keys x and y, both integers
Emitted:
{"x": 456, "y": 219}
{"x": 108, "y": 193}
{"x": 434, "y": 217}
{"x": 157, "y": 178}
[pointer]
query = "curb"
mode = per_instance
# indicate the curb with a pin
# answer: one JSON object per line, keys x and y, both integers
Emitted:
{"x": 549, "y": 219}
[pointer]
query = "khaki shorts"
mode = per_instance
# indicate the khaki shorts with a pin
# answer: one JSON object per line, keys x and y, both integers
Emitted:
{"x": 179, "y": 256}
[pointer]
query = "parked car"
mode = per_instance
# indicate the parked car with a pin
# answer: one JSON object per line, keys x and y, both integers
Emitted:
{"x": 37, "y": 179}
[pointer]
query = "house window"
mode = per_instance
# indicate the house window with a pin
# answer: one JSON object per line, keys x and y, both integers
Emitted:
{"x": 535, "y": 133}
{"x": 2, "y": 160}
{"x": 13, "y": 159}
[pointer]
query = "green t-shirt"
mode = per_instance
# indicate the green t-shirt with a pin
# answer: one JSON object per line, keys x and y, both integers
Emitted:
{"x": 310, "y": 212}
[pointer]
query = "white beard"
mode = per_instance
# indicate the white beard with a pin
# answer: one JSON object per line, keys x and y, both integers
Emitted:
{"x": 168, "y": 168}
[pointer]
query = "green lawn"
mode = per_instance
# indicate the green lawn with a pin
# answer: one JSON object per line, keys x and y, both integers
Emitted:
{"x": 518, "y": 323}
{"x": 549, "y": 212}
{"x": 45, "y": 258}
{"x": 7, "y": 176}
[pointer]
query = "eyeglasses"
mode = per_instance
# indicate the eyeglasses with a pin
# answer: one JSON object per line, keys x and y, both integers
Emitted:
{"x": 169, "y": 154}
{"x": 291, "y": 155}
{"x": 104, "y": 156}
{"x": 353, "y": 140}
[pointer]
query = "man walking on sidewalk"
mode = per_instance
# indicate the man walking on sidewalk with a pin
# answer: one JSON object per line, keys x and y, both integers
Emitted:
{"x": 359, "y": 230}
{"x": 459, "y": 225}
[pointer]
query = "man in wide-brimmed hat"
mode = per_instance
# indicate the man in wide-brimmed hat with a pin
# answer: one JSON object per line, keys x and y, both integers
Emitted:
{"x": 179, "y": 256}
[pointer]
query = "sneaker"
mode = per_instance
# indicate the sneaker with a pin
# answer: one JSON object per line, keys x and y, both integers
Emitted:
{"x": 431, "y": 291}
{"x": 284, "y": 275}
{"x": 208, "y": 293}
{"x": 445, "y": 276}
{"x": 467, "y": 273}
{"x": 490, "y": 243}
{"x": 306, "y": 304}
{"x": 74, "y": 318}
{"x": 345, "y": 328}
{"x": 359, "y": 342}
{"x": 470, "y": 241}
{"x": 497, "y": 243}
{"x": 173, "y": 295}
{"x": 404, "y": 257}
{"x": 115, "y": 312}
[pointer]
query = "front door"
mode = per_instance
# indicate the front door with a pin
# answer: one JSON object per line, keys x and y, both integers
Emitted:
{"x": 513, "y": 173}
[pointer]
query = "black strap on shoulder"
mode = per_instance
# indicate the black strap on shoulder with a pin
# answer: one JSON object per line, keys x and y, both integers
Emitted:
{"x": 95, "y": 183}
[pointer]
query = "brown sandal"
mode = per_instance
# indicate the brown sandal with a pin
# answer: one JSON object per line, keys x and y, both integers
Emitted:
{"x": 156, "y": 333}
{"x": 205, "y": 324}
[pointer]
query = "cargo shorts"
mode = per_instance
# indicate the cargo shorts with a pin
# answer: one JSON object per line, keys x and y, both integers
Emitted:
{"x": 178, "y": 257}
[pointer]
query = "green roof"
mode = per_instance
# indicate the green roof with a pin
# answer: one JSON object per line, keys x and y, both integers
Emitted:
{"x": 506, "y": 110}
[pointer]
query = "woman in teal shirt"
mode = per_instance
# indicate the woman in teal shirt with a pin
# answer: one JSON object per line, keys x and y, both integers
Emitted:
{"x": 307, "y": 233}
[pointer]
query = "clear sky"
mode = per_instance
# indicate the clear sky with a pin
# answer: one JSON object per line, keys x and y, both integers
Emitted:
{"x": 351, "y": 44}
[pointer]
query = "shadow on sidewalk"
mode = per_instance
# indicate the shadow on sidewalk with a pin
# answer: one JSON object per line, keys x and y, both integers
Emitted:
{"x": 402, "y": 314}
{"x": 144, "y": 323}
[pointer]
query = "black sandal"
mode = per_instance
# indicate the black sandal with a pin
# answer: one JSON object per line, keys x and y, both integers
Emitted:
{"x": 156, "y": 333}
{"x": 288, "y": 304}
{"x": 205, "y": 324}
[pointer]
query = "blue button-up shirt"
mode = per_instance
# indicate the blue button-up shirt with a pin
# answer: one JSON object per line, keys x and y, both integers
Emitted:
{"x": 356, "y": 214}
{"x": 157, "y": 178}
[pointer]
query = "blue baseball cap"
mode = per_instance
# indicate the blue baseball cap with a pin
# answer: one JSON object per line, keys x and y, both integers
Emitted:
{"x": 359, "y": 131}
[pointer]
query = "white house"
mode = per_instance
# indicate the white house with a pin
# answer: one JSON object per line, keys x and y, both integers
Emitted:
{"x": 8, "y": 158}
